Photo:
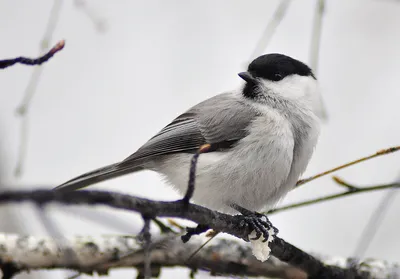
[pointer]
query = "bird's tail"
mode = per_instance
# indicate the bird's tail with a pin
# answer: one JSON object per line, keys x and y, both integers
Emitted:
{"x": 98, "y": 175}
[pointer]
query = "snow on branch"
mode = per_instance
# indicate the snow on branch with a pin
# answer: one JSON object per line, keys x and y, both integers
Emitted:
{"x": 100, "y": 254}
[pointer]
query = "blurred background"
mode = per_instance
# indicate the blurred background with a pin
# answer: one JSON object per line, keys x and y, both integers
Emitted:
{"x": 129, "y": 67}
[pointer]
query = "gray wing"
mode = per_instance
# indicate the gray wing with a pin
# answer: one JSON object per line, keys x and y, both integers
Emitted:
{"x": 220, "y": 119}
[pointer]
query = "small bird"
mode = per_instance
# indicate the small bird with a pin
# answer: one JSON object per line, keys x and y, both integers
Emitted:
{"x": 265, "y": 131}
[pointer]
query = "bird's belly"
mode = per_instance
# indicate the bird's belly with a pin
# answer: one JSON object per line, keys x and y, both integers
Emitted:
{"x": 251, "y": 182}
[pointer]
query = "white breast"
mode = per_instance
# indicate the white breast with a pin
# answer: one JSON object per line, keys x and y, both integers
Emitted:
{"x": 250, "y": 174}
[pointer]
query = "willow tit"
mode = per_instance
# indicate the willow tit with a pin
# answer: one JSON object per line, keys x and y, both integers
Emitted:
{"x": 266, "y": 132}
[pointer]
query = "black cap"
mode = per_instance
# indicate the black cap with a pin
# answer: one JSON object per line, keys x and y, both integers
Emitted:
{"x": 277, "y": 66}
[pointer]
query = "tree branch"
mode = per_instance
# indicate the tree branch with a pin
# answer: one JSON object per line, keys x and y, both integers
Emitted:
{"x": 377, "y": 154}
{"x": 33, "y": 61}
{"x": 269, "y": 31}
{"x": 102, "y": 253}
{"x": 352, "y": 190}
{"x": 315, "y": 50}
{"x": 201, "y": 215}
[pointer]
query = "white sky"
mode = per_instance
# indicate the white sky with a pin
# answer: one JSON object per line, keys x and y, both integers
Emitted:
{"x": 105, "y": 94}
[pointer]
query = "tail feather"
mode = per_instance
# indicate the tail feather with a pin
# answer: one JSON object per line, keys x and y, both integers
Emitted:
{"x": 98, "y": 175}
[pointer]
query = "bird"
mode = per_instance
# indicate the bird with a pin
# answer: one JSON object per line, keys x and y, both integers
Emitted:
{"x": 265, "y": 131}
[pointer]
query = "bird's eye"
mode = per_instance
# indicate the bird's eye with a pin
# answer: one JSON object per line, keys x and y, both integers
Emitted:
{"x": 278, "y": 77}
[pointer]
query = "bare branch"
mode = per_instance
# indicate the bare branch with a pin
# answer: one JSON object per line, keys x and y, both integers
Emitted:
{"x": 270, "y": 29}
{"x": 341, "y": 182}
{"x": 99, "y": 22}
{"x": 145, "y": 233}
{"x": 375, "y": 220}
{"x": 222, "y": 257}
{"x": 377, "y": 154}
{"x": 314, "y": 52}
{"x": 192, "y": 172}
{"x": 352, "y": 190}
{"x": 316, "y": 34}
{"x": 33, "y": 61}
{"x": 203, "y": 244}
{"x": 217, "y": 221}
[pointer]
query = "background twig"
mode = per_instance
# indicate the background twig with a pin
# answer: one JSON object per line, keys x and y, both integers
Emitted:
{"x": 374, "y": 222}
{"x": 99, "y": 23}
{"x": 352, "y": 191}
{"x": 377, "y": 154}
{"x": 270, "y": 29}
{"x": 315, "y": 50}
{"x": 145, "y": 233}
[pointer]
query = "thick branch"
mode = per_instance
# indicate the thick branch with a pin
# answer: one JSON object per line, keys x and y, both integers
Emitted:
{"x": 201, "y": 215}
{"x": 102, "y": 253}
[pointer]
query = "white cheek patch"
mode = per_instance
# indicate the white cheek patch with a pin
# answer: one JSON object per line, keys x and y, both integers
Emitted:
{"x": 295, "y": 87}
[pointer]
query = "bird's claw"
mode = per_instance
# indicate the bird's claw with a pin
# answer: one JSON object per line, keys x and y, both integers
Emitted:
{"x": 258, "y": 223}
{"x": 194, "y": 231}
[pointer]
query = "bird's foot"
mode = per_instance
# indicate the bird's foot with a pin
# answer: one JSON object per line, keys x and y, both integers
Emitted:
{"x": 194, "y": 231}
{"x": 255, "y": 223}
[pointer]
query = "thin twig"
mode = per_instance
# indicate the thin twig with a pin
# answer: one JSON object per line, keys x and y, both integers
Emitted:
{"x": 340, "y": 182}
{"x": 163, "y": 228}
{"x": 316, "y": 34}
{"x": 23, "y": 145}
{"x": 32, "y": 61}
{"x": 192, "y": 172}
{"x": 211, "y": 234}
{"x": 352, "y": 191}
{"x": 201, "y": 247}
{"x": 315, "y": 50}
{"x": 75, "y": 275}
{"x": 374, "y": 222}
{"x": 172, "y": 222}
{"x": 377, "y": 154}
{"x": 270, "y": 29}
{"x": 44, "y": 43}
{"x": 147, "y": 241}
{"x": 51, "y": 25}
{"x": 99, "y": 23}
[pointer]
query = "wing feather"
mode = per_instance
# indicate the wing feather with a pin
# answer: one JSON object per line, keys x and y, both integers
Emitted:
{"x": 220, "y": 119}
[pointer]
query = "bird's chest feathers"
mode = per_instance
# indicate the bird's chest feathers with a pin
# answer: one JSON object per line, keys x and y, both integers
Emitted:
{"x": 264, "y": 156}
{"x": 306, "y": 131}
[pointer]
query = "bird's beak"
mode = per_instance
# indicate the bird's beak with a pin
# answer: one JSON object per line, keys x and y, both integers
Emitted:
{"x": 247, "y": 77}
